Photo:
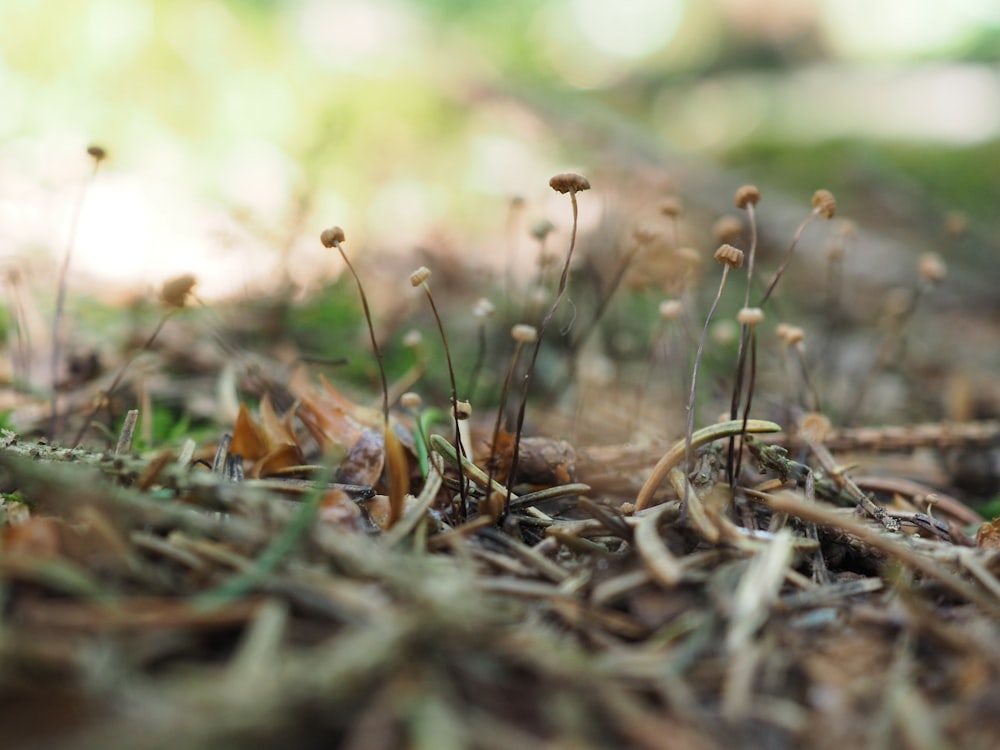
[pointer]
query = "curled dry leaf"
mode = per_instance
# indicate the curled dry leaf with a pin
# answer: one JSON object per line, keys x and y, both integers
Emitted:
{"x": 336, "y": 422}
{"x": 267, "y": 447}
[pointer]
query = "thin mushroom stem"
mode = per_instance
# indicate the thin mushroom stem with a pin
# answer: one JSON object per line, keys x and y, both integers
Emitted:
{"x": 562, "y": 183}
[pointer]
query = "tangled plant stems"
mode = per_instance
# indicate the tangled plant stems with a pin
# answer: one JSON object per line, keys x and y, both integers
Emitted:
{"x": 567, "y": 182}
{"x": 174, "y": 295}
{"x": 334, "y": 238}
{"x": 98, "y": 155}
{"x": 458, "y": 411}
{"x": 747, "y": 198}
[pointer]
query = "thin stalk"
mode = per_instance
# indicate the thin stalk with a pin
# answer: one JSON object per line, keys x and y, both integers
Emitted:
{"x": 334, "y": 237}
{"x": 688, "y": 452}
{"x": 463, "y": 487}
{"x": 788, "y": 256}
{"x": 522, "y": 409}
{"x": 57, "y": 322}
{"x": 501, "y": 409}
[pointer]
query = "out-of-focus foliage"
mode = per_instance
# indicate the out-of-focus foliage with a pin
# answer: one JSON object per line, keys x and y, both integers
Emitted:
{"x": 404, "y": 120}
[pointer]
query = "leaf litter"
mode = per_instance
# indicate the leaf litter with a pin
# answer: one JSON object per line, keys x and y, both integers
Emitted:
{"x": 331, "y": 574}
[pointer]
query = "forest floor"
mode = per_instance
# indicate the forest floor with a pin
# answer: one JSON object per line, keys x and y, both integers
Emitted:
{"x": 266, "y": 561}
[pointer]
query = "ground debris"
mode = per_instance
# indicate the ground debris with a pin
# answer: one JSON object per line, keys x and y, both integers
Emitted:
{"x": 227, "y": 603}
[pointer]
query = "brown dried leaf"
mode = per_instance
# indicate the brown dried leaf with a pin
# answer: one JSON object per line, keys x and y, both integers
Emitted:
{"x": 398, "y": 474}
{"x": 333, "y": 420}
{"x": 277, "y": 431}
{"x": 281, "y": 457}
{"x": 502, "y": 456}
{"x": 988, "y": 536}
{"x": 248, "y": 440}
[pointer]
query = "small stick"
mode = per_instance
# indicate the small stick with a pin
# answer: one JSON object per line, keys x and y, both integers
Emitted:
{"x": 127, "y": 433}
{"x": 845, "y": 483}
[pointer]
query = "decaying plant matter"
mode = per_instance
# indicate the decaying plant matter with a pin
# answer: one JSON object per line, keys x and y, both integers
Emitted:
{"x": 333, "y": 574}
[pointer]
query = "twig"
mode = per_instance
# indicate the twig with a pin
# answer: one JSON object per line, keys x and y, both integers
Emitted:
{"x": 127, "y": 433}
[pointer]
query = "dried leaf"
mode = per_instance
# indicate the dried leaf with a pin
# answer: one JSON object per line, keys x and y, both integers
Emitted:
{"x": 502, "y": 453}
{"x": 248, "y": 440}
{"x": 277, "y": 431}
{"x": 398, "y": 474}
{"x": 988, "y": 536}
{"x": 334, "y": 423}
{"x": 281, "y": 457}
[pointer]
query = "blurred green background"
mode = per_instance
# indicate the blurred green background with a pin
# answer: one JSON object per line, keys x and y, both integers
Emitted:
{"x": 239, "y": 129}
